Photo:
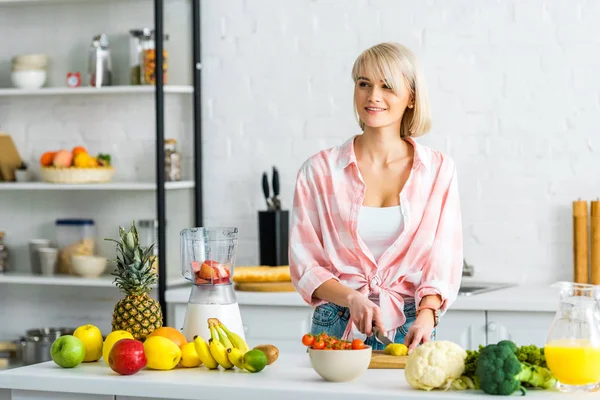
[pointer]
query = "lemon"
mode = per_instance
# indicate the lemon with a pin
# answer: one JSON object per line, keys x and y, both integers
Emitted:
{"x": 396, "y": 349}
{"x": 110, "y": 341}
{"x": 189, "y": 357}
{"x": 161, "y": 353}
{"x": 91, "y": 337}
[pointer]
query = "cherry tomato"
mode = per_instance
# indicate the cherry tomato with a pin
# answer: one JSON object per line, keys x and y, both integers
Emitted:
{"x": 308, "y": 339}
{"x": 357, "y": 344}
{"x": 318, "y": 344}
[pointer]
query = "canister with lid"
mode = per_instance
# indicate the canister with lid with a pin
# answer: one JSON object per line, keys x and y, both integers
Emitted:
{"x": 74, "y": 237}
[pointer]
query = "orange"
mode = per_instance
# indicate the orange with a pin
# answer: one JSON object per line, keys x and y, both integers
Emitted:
{"x": 78, "y": 149}
{"x": 170, "y": 333}
{"x": 47, "y": 158}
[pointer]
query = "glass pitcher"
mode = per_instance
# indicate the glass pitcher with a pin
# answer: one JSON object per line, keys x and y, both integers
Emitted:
{"x": 573, "y": 345}
{"x": 208, "y": 255}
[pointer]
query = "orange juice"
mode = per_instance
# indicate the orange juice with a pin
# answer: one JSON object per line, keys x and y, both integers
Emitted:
{"x": 573, "y": 362}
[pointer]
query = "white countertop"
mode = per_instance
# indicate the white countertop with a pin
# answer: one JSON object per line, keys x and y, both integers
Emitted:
{"x": 526, "y": 298}
{"x": 291, "y": 377}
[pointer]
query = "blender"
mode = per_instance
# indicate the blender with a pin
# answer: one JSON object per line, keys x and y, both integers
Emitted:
{"x": 207, "y": 259}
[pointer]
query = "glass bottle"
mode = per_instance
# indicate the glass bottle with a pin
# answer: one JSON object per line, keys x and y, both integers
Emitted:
{"x": 572, "y": 348}
{"x": 3, "y": 254}
{"x": 143, "y": 57}
{"x": 172, "y": 161}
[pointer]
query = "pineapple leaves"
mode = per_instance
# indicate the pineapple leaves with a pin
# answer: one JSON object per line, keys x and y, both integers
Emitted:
{"x": 134, "y": 274}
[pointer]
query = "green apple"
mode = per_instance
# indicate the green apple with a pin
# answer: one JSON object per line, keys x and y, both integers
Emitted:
{"x": 67, "y": 351}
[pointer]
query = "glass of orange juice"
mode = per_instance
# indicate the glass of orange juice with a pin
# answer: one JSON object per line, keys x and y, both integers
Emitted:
{"x": 573, "y": 346}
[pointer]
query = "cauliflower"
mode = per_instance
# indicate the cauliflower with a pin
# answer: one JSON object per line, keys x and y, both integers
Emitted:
{"x": 435, "y": 365}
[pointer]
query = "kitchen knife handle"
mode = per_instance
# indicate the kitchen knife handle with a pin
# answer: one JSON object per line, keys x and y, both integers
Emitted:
{"x": 265, "y": 185}
{"x": 275, "y": 182}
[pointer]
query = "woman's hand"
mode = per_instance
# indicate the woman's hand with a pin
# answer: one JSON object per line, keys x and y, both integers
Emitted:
{"x": 364, "y": 314}
{"x": 421, "y": 330}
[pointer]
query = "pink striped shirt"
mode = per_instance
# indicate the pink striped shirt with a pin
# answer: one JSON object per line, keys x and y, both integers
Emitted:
{"x": 425, "y": 259}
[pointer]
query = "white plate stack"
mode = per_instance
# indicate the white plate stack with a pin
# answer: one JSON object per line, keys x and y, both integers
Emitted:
{"x": 29, "y": 71}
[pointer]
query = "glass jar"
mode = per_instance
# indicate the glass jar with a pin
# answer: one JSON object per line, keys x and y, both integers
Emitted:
{"x": 148, "y": 233}
{"x": 172, "y": 161}
{"x": 3, "y": 254}
{"x": 74, "y": 237}
{"x": 143, "y": 57}
{"x": 572, "y": 348}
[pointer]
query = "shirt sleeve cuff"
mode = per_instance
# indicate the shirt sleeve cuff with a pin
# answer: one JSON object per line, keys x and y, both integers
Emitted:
{"x": 310, "y": 281}
{"x": 430, "y": 288}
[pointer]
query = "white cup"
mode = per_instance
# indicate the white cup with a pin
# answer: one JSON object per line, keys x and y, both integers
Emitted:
{"x": 48, "y": 257}
{"x": 34, "y": 258}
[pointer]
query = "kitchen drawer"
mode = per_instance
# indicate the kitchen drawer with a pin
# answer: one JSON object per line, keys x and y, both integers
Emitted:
{"x": 37, "y": 395}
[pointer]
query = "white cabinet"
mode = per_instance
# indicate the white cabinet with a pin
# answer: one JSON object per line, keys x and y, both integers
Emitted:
{"x": 282, "y": 326}
{"x": 465, "y": 328}
{"x": 523, "y": 328}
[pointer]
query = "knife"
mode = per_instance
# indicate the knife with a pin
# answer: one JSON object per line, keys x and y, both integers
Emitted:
{"x": 266, "y": 191}
{"x": 381, "y": 338}
{"x": 275, "y": 199}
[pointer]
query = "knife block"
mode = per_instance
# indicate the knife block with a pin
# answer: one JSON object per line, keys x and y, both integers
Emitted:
{"x": 273, "y": 237}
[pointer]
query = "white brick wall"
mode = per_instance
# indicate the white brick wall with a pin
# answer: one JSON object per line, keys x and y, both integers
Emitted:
{"x": 514, "y": 91}
{"x": 513, "y": 85}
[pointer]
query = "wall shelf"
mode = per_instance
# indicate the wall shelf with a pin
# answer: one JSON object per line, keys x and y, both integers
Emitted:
{"x": 86, "y": 90}
{"x": 125, "y": 186}
{"x": 71, "y": 280}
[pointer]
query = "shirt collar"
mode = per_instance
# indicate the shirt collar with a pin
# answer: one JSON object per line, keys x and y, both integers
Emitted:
{"x": 346, "y": 155}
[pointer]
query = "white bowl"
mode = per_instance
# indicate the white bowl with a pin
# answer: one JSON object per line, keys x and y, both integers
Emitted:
{"x": 32, "y": 79}
{"x": 340, "y": 365}
{"x": 89, "y": 266}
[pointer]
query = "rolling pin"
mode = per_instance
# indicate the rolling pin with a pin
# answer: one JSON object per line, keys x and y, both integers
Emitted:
{"x": 580, "y": 241}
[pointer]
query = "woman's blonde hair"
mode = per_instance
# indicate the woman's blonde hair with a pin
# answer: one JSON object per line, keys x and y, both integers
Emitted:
{"x": 392, "y": 62}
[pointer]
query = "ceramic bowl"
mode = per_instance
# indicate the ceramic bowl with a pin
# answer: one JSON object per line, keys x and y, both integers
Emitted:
{"x": 32, "y": 79}
{"x": 89, "y": 266}
{"x": 340, "y": 365}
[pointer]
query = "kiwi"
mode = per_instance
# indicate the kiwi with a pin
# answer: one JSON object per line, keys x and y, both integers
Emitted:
{"x": 270, "y": 351}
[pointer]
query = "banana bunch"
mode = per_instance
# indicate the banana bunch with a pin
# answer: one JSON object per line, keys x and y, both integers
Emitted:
{"x": 227, "y": 349}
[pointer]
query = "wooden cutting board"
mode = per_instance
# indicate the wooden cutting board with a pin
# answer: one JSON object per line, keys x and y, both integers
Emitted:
{"x": 384, "y": 361}
{"x": 265, "y": 287}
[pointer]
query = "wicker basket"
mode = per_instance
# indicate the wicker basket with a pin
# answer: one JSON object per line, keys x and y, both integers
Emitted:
{"x": 77, "y": 175}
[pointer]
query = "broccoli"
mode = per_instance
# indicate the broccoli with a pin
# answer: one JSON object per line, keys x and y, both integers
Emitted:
{"x": 532, "y": 355}
{"x": 501, "y": 372}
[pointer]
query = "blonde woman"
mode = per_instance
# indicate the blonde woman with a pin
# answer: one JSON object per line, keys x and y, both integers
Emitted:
{"x": 376, "y": 236}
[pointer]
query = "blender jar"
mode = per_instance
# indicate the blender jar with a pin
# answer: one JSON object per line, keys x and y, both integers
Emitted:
{"x": 74, "y": 237}
{"x": 208, "y": 255}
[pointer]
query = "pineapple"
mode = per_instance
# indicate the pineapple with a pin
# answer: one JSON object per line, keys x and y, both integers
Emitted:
{"x": 137, "y": 313}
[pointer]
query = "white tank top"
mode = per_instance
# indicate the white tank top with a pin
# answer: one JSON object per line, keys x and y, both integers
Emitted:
{"x": 379, "y": 227}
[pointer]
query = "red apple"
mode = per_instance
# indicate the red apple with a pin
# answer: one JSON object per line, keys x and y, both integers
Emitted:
{"x": 127, "y": 357}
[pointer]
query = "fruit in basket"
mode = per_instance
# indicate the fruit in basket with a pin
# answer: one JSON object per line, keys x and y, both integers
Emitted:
{"x": 83, "y": 160}
{"x": 172, "y": 334}
{"x": 67, "y": 351}
{"x": 62, "y": 158}
{"x": 91, "y": 337}
{"x": 137, "y": 312}
{"x": 161, "y": 353}
{"x": 47, "y": 158}
{"x": 110, "y": 341}
{"x": 127, "y": 357}
{"x": 78, "y": 150}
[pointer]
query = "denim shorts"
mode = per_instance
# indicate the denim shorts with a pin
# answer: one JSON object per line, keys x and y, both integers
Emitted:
{"x": 333, "y": 319}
